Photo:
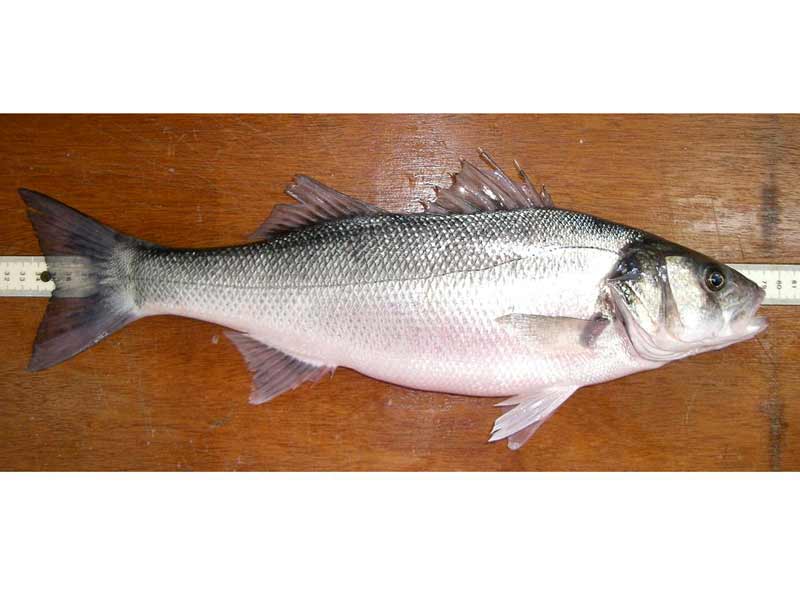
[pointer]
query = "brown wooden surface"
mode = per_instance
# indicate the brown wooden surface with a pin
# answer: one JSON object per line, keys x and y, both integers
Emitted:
{"x": 169, "y": 393}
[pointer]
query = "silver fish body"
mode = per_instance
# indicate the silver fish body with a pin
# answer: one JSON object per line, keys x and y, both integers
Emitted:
{"x": 412, "y": 299}
{"x": 490, "y": 292}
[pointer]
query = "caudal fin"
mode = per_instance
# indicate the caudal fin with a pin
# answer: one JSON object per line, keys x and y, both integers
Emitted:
{"x": 90, "y": 265}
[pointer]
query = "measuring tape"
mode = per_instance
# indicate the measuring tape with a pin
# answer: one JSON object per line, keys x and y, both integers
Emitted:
{"x": 25, "y": 276}
{"x": 28, "y": 276}
{"x": 780, "y": 282}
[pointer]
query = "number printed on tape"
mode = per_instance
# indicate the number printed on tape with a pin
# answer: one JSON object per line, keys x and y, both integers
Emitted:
{"x": 780, "y": 282}
{"x": 22, "y": 276}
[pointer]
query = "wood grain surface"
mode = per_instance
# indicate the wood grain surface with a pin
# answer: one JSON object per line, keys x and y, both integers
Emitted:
{"x": 171, "y": 394}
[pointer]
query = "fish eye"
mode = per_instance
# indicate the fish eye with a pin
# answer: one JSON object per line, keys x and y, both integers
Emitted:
{"x": 715, "y": 280}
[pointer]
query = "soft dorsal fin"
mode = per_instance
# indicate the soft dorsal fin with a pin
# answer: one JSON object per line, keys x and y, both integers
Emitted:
{"x": 475, "y": 190}
{"x": 274, "y": 372}
{"x": 317, "y": 202}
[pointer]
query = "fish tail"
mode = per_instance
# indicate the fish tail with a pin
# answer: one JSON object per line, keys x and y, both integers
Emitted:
{"x": 91, "y": 267}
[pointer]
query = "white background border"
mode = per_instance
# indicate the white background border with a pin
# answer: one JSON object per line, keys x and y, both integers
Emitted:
{"x": 398, "y": 536}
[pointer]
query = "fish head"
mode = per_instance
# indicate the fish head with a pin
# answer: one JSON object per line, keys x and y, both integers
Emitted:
{"x": 675, "y": 302}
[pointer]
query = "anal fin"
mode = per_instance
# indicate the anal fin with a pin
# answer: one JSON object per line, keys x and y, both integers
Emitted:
{"x": 531, "y": 410}
{"x": 274, "y": 372}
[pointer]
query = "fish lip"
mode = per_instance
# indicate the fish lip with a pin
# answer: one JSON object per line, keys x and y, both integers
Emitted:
{"x": 756, "y": 325}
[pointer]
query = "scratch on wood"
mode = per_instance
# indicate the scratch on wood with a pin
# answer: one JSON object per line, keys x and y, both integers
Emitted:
{"x": 217, "y": 423}
{"x": 125, "y": 130}
{"x": 741, "y": 248}
{"x": 689, "y": 406}
{"x": 144, "y": 405}
{"x": 770, "y": 208}
{"x": 773, "y": 408}
{"x": 770, "y": 212}
{"x": 254, "y": 129}
{"x": 716, "y": 220}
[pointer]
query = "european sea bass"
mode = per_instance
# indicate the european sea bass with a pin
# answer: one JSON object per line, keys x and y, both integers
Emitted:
{"x": 491, "y": 291}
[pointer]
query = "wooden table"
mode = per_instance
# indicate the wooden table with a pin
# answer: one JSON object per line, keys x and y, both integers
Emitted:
{"x": 169, "y": 393}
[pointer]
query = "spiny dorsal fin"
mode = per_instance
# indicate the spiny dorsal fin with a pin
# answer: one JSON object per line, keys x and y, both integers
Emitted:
{"x": 317, "y": 202}
{"x": 475, "y": 190}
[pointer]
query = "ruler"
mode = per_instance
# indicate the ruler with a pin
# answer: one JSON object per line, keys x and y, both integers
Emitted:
{"x": 780, "y": 282}
{"x": 25, "y": 276}
{"x": 28, "y": 276}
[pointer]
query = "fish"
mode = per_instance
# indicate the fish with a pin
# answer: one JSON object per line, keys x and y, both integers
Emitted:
{"x": 489, "y": 290}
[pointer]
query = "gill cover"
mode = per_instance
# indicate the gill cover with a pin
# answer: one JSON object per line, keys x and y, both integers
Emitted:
{"x": 642, "y": 292}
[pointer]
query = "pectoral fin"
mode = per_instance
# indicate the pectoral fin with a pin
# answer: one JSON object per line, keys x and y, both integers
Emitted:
{"x": 531, "y": 410}
{"x": 556, "y": 332}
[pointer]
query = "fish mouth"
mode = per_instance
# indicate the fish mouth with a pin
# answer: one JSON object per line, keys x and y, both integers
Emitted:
{"x": 756, "y": 325}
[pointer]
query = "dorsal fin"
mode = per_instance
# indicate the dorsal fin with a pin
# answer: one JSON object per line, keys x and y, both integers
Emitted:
{"x": 472, "y": 190}
{"x": 317, "y": 202}
{"x": 475, "y": 190}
